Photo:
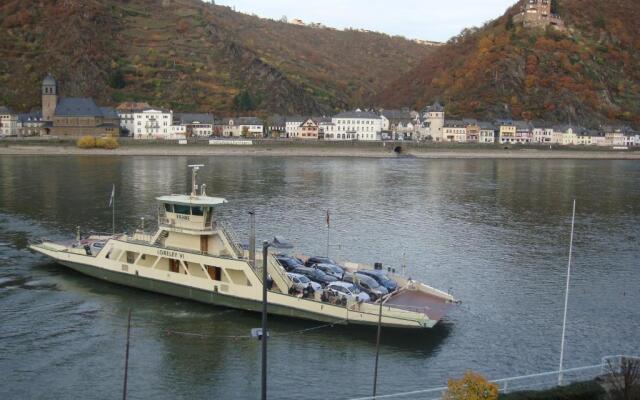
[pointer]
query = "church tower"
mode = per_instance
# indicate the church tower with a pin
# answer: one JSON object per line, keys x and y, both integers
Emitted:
{"x": 49, "y": 98}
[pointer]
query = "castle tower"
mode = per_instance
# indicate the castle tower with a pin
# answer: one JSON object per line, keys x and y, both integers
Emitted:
{"x": 434, "y": 115}
{"x": 49, "y": 97}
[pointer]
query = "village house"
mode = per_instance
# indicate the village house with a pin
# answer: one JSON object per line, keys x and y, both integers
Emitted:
{"x": 357, "y": 125}
{"x": 542, "y": 134}
{"x": 30, "y": 124}
{"x": 155, "y": 123}
{"x": 326, "y": 128}
{"x": 487, "y": 132}
{"x": 614, "y": 136}
{"x": 308, "y": 130}
{"x": 397, "y": 124}
{"x": 454, "y": 131}
{"x": 506, "y": 131}
{"x": 292, "y": 125}
{"x": 125, "y": 112}
{"x": 75, "y": 116}
{"x": 275, "y": 127}
{"x": 8, "y": 122}
{"x": 196, "y": 125}
{"x": 250, "y": 127}
{"x": 473, "y": 130}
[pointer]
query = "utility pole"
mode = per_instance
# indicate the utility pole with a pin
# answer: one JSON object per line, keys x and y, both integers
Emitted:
{"x": 566, "y": 296}
{"x": 126, "y": 359}
{"x": 265, "y": 253}
{"x": 375, "y": 373}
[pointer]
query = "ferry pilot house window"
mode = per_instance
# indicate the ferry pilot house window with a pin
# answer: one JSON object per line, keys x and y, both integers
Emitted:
{"x": 168, "y": 208}
{"x": 180, "y": 209}
{"x": 199, "y": 211}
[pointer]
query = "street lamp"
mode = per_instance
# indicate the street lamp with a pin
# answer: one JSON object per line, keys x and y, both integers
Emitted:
{"x": 278, "y": 243}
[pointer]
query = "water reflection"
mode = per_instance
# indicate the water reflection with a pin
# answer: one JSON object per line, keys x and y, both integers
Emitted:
{"x": 495, "y": 232}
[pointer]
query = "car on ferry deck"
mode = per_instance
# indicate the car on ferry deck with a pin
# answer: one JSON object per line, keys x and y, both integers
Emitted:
{"x": 289, "y": 263}
{"x": 349, "y": 291}
{"x": 382, "y": 278}
{"x": 315, "y": 275}
{"x": 330, "y": 269}
{"x": 319, "y": 260}
{"x": 301, "y": 282}
{"x": 367, "y": 284}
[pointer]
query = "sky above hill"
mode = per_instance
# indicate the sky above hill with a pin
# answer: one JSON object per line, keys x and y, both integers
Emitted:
{"x": 415, "y": 19}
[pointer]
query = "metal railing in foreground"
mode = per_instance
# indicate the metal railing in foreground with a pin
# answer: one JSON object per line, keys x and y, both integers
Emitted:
{"x": 540, "y": 381}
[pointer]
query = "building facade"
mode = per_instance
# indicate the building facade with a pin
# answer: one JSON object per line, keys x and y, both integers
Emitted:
{"x": 75, "y": 116}
{"x": 433, "y": 123}
{"x": 357, "y": 125}
{"x": 154, "y": 123}
{"x": 196, "y": 125}
{"x": 125, "y": 112}
{"x": 308, "y": 130}
{"x": 8, "y": 122}
{"x": 243, "y": 127}
{"x": 538, "y": 14}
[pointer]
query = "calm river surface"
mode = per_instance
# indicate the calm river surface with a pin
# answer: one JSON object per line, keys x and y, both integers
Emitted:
{"x": 494, "y": 232}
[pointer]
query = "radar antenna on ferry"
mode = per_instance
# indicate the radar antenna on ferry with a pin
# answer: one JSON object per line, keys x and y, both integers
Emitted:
{"x": 194, "y": 187}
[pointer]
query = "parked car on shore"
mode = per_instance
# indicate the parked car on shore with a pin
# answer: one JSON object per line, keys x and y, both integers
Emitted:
{"x": 382, "y": 278}
{"x": 301, "y": 282}
{"x": 367, "y": 284}
{"x": 348, "y": 291}
{"x": 315, "y": 275}
{"x": 330, "y": 269}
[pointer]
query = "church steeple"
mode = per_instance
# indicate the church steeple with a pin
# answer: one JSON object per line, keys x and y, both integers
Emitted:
{"x": 49, "y": 97}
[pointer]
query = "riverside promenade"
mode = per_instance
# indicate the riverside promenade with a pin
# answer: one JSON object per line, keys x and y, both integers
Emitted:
{"x": 278, "y": 148}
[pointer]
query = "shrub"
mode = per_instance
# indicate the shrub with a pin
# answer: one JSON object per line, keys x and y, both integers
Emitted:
{"x": 86, "y": 142}
{"x": 108, "y": 143}
{"x": 472, "y": 386}
{"x": 577, "y": 391}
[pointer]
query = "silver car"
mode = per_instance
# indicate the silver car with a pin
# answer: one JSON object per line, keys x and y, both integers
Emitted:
{"x": 301, "y": 282}
{"x": 348, "y": 291}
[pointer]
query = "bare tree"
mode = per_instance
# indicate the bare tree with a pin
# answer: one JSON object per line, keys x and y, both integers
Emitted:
{"x": 624, "y": 379}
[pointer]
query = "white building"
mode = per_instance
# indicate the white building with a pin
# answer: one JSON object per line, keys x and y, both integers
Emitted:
{"x": 30, "y": 124}
{"x": 357, "y": 125}
{"x": 125, "y": 113}
{"x": 243, "y": 127}
{"x": 8, "y": 122}
{"x": 155, "y": 123}
{"x": 543, "y": 135}
{"x": 487, "y": 133}
{"x": 292, "y": 126}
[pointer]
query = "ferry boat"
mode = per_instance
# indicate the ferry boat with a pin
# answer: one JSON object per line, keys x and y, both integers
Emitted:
{"x": 192, "y": 255}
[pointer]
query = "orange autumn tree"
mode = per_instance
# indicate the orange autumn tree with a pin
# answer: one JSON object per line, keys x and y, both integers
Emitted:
{"x": 471, "y": 386}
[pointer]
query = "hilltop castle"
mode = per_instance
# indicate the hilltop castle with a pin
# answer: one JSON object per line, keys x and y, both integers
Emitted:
{"x": 538, "y": 14}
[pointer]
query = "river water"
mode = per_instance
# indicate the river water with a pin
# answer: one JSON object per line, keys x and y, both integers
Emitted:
{"x": 495, "y": 233}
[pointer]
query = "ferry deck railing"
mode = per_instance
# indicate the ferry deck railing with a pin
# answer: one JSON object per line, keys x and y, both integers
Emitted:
{"x": 545, "y": 380}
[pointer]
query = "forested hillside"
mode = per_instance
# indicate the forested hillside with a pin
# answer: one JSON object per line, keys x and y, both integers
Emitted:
{"x": 191, "y": 55}
{"x": 589, "y": 73}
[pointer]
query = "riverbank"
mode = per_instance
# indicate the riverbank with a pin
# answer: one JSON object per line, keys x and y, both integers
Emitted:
{"x": 288, "y": 149}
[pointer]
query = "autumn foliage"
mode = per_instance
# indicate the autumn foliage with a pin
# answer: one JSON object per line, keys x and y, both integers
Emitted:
{"x": 471, "y": 386}
{"x": 588, "y": 74}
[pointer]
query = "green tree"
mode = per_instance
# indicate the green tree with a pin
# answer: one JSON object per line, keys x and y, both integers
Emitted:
{"x": 244, "y": 101}
{"x": 116, "y": 79}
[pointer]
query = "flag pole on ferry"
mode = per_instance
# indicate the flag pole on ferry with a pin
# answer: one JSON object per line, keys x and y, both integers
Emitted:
{"x": 328, "y": 230}
{"x": 112, "y": 204}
